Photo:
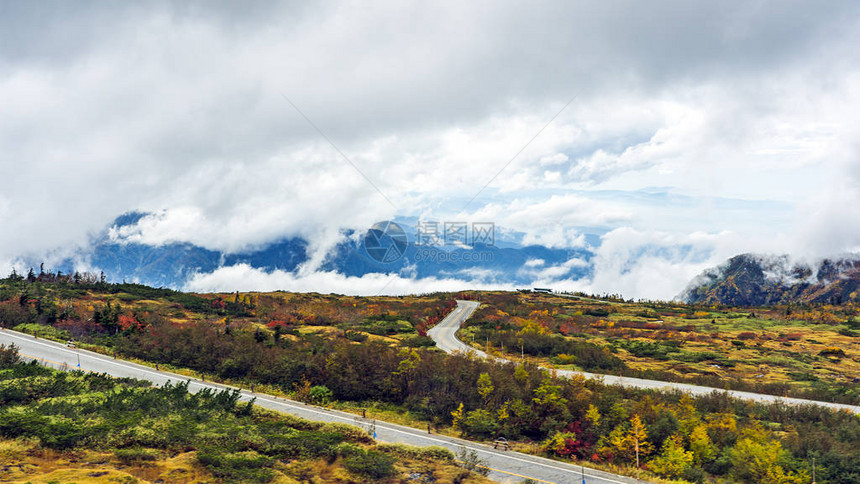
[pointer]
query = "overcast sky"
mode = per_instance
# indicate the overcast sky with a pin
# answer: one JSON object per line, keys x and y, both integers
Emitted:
{"x": 725, "y": 126}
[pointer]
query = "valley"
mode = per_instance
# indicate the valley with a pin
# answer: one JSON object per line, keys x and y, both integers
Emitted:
{"x": 805, "y": 351}
{"x": 372, "y": 355}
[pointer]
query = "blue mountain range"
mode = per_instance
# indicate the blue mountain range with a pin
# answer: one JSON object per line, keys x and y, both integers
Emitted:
{"x": 504, "y": 260}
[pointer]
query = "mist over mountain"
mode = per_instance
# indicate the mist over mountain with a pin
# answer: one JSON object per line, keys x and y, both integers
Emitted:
{"x": 505, "y": 262}
{"x": 173, "y": 264}
{"x": 758, "y": 280}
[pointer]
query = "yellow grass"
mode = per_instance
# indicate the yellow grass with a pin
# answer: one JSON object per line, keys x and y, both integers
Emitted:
{"x": 24, "y": 461}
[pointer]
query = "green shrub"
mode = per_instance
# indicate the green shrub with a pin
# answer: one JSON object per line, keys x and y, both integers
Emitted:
{"x": 696, "y": 356}
{"x": 480, "y": 423}
{"x": 371, "y": 463}
{"x": 19, "y": 422}
{"x": 588, "y": 356}
{"x": 44, "y": 331}
{"x": 598, "y": 312}
{"x": 345, "y": 432}
{"x": 432, "y": 453}
{"x": 303, "y": 443}
{"x": 237, "y": 467}
{"x": 438, "y": 454}
{"x": 803, "y": 376}
{"x": 61, "y": 434}
{"x": 694, "y": 474}
{"x": 563, "y": 359}
{"x": 320, "y": 394}
{"x": 387, "y": 327}
{"x": 21, "y": 370}
{"x": 832, "y": 351}
{"x": 419, "y": 341}
{"x": 347, "y": 449}
{"x": 126, "y": 297}
{"x": 658, "y": 350}
{"x": 136, "y": 454}
{"x": 356, "y": 336}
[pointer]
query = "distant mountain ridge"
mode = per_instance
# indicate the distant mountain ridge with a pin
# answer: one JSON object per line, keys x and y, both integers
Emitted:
{"x": 760, "y": 280}
{"x": 174, "y": 264}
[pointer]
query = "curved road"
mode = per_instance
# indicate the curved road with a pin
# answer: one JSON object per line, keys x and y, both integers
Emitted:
{"x": 444, "y": 334}
{"x": 505, "y": 466}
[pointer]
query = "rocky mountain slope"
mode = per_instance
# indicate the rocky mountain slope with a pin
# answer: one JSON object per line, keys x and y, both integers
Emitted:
{"x": 758, "y": 280}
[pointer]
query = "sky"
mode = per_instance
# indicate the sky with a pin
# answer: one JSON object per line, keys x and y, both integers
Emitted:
{"x": 725, "y": 127}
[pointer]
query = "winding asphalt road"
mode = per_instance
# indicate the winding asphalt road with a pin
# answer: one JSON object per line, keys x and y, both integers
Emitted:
{"x": 444, "y": 334}
{"x": 505, "y": 466}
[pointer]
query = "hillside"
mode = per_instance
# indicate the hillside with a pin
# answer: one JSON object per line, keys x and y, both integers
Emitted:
{"x": 60, "y": 426}
{"x": 803, "y": 352}
{"x": 758, "y": 280}
{"x": 369, "y": 354}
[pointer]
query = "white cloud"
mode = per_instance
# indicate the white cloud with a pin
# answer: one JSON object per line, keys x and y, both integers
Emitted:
{"x": 746, "y": 119}
{"x": 553, "y": 222}
{"x": 551, "y": 275}
{"x": 243, "y": 277}
{"x": 659, "y": 265}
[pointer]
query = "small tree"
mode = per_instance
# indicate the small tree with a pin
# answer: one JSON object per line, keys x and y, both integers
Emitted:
{"x": 630, "y": 443}
{"x": 592, "y": 415}
{"x": 562, "y": 444}
{"x": 302, "y": 390}
{"x": 520, "y": 374}
{"x": 757, "y": 457}
{"x": 701, "y": 446}
{"x": 638, "y": 438}
{"x": 320, "y": 394}
{"x": 480, "y": 422}
{"x": 469, "y": 460}
{"x": 673, "y": 459}
{"x": 457, "y": 416}
{"x": 9, "y": 355}
{"x": 259, "y": 336}
{"x": 485, "y": 386}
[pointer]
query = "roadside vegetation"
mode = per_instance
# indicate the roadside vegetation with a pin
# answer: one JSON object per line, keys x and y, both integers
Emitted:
{"x": 73, "y": 426}
{"x": 806, "y": 351}
{"x": 364, "y": 353}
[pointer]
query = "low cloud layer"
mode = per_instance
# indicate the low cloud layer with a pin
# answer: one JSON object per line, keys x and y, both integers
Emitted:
{"x": 240, "y": 277}
{"x": 724, "y": 127}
